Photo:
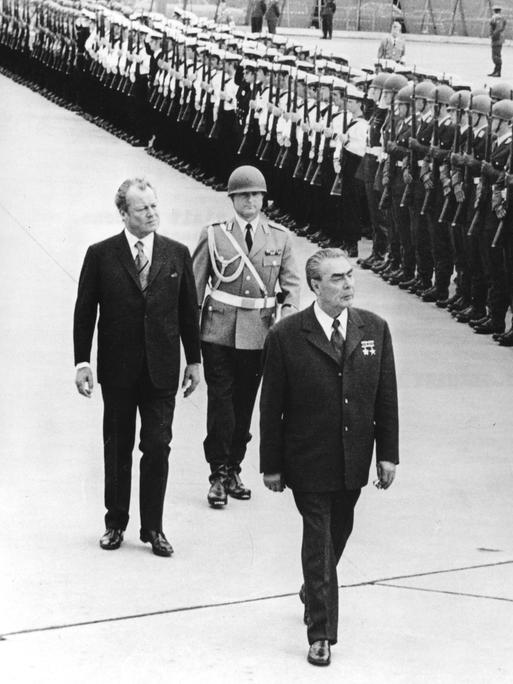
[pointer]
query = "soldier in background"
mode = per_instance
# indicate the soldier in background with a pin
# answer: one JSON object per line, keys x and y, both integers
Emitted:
{"x": 497, "y": 26}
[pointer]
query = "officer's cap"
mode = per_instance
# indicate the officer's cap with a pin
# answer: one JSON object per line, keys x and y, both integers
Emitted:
{"x": 354, "y": 93}
{"x": 304, "y": 65}
{"x": 339, "y": 84}
{"x": 249, "y": 65}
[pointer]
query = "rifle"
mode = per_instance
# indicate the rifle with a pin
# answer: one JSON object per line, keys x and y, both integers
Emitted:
{"x": 249, "y": 121}
{"x": 172, "y": 95}
{"x": 476, "y": 220}
{"x": 202, "y": 124}
{"x": 184, "y": 90}
{"x": 263, "y": 139}
{"x": 509, "y": 169}
{"x": 324, "y": 143}
{"x": 271, "y": 129}
{"x": 336, "y": 188}
{"x": 435, "y": 143}
{"x": 199, "y": 113}
{"x": 455, "y": 148}
{"x": 293, "y": 129}
{"x": 299, "y": 170}
{"x": 405, "y": 199}
{"x": 391, "y": 135}
{"x": 314, "y": 150}
{"x": 189, "y": 101}
{"x": 466, "y": 173}
{"x": 216, "y": 126}
{"x": 283, "y": 149}
{"x": 137, "y": 65}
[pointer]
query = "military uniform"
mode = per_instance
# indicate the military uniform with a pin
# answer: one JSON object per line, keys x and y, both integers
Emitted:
{"x": 237, "y": 312}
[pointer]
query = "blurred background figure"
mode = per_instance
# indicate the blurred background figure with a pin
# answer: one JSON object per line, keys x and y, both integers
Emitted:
{"x": 497, "y": 26}
{"x": 272, "y": 16}
{"x": 327, "y": 12}
{"x": 393, "y": 46}
{"x": 257, "y": 16}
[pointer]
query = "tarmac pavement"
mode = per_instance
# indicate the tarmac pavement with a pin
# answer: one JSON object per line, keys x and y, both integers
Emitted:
{"x": 427, "y": 577}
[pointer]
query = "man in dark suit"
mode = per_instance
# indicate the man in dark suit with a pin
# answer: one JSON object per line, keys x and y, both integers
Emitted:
{"x": 143, "y": 285}
{"x": 328, "y": 396}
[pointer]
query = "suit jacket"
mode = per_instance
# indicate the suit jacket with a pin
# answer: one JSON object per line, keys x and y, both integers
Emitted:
{"x": 319, "y": 421}
{"x": 133, "y": 327}
{"x": 272, "y": 257}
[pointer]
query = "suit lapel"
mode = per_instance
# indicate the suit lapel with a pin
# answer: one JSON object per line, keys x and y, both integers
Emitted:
{"x": 126, "y": 258}
{"x": 259, "y": 239}
{"x": 354, "y": 332}
{"x": 158, "y": 258}
{"x": 315, "y": 334}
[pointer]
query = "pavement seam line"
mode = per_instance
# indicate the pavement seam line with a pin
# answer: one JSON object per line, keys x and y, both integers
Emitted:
{"x": 26, "y": 230}
{"x": 169, "y": 611}
{"x": 444, "y": 591}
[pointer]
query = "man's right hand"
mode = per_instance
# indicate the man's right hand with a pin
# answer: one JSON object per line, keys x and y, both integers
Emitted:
{"x": 84, "y": 381}
{"x": 274, "y": 482}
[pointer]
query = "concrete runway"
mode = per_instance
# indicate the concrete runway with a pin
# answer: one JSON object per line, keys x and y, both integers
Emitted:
{"x": 427, "y": 578}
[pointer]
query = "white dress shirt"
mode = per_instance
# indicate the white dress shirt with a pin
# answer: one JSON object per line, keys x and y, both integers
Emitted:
{"x": 326, "y": 322}
{"x": 147, "y": 241}
{"x": 242, "y": 225}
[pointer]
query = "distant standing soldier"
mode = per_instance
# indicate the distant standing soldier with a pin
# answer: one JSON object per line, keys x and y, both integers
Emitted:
{"x": 327, "y": 12}
{"x": 497, "y": 26}
{"x": 272, "y": 15}
{"x": 242, "y": 261}
{"x": 393, "y": 46}
{"x": 257, "y": 16}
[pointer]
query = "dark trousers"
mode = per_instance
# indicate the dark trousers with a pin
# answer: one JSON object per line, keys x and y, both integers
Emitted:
{"x": 497, "y": 58}
{"x": 256, "y": 24}
{"x": 156, "y": 408}
{"x": 377, "y": 216}
{"x": 327, "y": 524}
{"x": 420, "y": 234}
{"x": 327, "y": 25}
{"x": 233, "y": 377}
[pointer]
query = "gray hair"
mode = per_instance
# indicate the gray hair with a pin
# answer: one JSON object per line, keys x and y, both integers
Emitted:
{"x": 313, "y": 264}
{"x": 120, "y": 198}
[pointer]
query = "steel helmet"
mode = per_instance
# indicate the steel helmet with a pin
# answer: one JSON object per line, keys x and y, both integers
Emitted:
{"x": 501, "y": 91}
{"x": 481, "y": 104}
{"x": 378, "y": 81}
{"x": 404, "y": 95}
{"x": 442, "y": 94}
{"x": 395, "y": 82}
{"x": 503, "y": 109}
{"x": 424, "y": 90}
{"x": 459, "y": 100}
{"x": 246, "y": 179}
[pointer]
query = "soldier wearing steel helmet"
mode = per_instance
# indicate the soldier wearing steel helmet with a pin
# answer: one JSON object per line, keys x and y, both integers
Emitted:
{"x": 239, "y": 265}
{"x": 497, "y": 27}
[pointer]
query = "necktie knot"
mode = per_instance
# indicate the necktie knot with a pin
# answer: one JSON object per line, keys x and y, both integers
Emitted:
{"x": 336, "y": 324}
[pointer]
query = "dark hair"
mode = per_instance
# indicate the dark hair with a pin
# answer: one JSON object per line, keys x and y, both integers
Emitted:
{"x": 313, "y": 263}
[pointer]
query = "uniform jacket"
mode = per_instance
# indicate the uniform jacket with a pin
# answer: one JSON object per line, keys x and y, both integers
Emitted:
{"x": 272, "y": 257}
{"x": 132, "y": 326}
{"x": 319, "y": 421}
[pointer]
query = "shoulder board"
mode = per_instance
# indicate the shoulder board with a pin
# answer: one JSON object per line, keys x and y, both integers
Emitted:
{"x": 276, "y": 226}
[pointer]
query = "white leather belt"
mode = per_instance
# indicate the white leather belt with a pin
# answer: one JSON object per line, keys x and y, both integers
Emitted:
{"x": 244, "y": 302}
{"x": 373, "y": 150}
{"x": 419, "y": 164}
{"x": 399, "y": 164}
{"x": 476, "y": 180}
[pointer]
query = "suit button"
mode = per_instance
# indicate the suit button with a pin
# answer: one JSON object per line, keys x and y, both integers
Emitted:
{"x": 246, "y": 292}
{"x": 339, "y": 375}
{"x": 346, "y": 429}
{"x": 346, "y": 401}
{"x": 248, "y": 277}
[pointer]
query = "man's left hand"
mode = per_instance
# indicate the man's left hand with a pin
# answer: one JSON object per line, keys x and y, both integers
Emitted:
{"x": 191, "y": 378}
{"x": 274, "y": 482}
{"x": 386, "y": 473}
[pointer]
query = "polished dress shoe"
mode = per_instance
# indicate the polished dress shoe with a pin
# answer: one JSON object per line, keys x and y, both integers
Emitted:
{"x": 379, "y": 265}
{"x": 396, "y": 278}
{"x": 216, "y": 496}
{"x": 454, "y": 300}
{"x": 406, "y": 284}
{"x": 506, "y": 340}
{"x": 111, "y": 539}
{"x": 420, "y": 287}
{"x": 459, "y": 306}
{"x": 479, "y": 321}
{"x": 319, "y": 652}
{"x": 469, "y": 314}
{"x": 234, "y": 487}
{"x": 489, "y": 327}
{"x": 433, "y": 295}
{"x": 159, "y": 544}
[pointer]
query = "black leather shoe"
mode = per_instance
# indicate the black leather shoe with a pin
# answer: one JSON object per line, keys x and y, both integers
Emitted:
{"x": 454, "y": 300}
{"x": 506, "y": 340}
{"x": 216, "y": 496}
{"x": 379, "y": 266}
{"x": 433, "y": 295}
{"x": 397, "y": 278}
{"x": 234, "y": 487}
{"x": 469, "y": 314}
{"x": 159, "y": 544}
{"x": 319, "y": 652}
{"x": 406, "y": 284}
{"x": 489, "y": 327}
{"x": 479, "y": 321}
{"x": 421, "y": 287}
{"x": 111, "y": 539}
{"x": 387, "y": 275}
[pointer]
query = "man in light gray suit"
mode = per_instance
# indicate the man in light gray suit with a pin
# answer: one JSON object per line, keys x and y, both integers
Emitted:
{"x": 242, "y": 262}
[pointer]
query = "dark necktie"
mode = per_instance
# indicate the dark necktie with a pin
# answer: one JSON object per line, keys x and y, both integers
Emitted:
{"x": 337, "y": 340}
{"x": 142, "y": 265}
{"x": 249, "y": 237}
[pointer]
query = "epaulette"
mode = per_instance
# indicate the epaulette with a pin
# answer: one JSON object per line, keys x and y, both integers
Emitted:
{"x": 277, "y": 226}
